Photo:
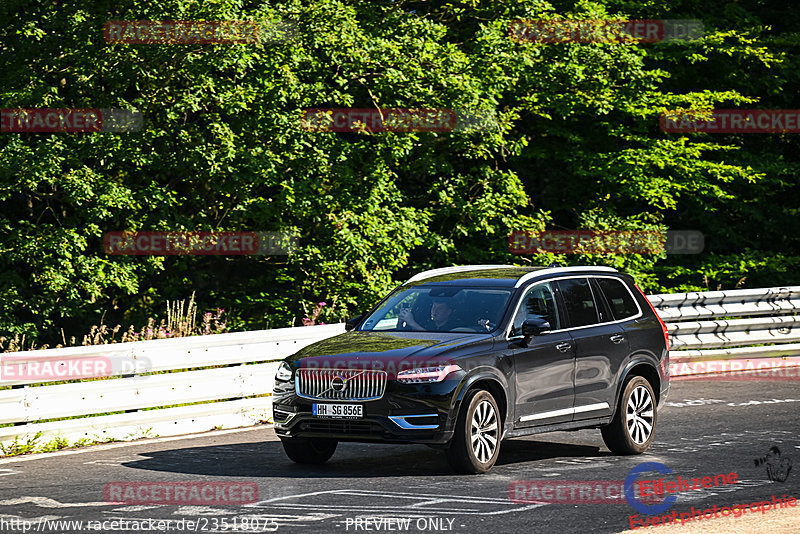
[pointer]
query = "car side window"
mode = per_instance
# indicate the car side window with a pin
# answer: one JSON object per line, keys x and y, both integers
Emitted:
{"x": 579, "y": 302}
{"x": 618, "y": 297}
{"x": 538, "y": 301}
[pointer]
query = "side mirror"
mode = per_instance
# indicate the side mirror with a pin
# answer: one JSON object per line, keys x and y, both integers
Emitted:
{"x": 535, "y": 327}
{"x": 351, "y": 323}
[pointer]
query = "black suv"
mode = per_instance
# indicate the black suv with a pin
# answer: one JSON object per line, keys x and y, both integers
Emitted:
{"x": 461, "y": 358}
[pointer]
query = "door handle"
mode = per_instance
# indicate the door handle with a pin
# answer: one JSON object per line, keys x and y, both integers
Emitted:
{"x": 563, "y": 347}
{"x": 618, "y": 338}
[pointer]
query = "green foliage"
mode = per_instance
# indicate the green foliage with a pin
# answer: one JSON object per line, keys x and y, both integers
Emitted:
{"x": 17, "y": 447}
{"x": 575, "y": 144}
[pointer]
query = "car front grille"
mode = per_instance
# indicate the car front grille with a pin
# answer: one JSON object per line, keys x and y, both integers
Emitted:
{"x": 340, "y": 384}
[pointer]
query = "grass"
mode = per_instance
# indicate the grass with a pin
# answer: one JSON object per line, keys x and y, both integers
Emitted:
{"x": 57, "y": 443}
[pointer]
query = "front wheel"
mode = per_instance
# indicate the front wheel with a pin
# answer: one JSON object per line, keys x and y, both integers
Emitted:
{"x": 309, "y": 450}
{"x": 632, "y": 429}
{"x": 476, "y": 441}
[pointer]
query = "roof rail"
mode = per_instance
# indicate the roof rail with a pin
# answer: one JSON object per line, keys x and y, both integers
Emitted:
{"x": 556, "y": 270}
{"x": 455, "y": 269}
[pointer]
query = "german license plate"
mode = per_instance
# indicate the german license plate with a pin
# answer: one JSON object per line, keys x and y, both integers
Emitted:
{"x": 338, "y": 411}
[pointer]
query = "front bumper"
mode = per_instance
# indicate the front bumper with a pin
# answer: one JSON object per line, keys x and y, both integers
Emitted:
{"x": 406, "y": 413}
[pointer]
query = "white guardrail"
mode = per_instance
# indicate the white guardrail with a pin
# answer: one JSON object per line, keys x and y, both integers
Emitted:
{"x": 229, "y": 377}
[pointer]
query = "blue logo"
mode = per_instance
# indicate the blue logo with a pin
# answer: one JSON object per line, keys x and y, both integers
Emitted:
{"x": 633, "y": 474}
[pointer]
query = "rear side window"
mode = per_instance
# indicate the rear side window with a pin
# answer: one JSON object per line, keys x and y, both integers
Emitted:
{"x": 578, "y": 301}
{"x": 618, "y": 297}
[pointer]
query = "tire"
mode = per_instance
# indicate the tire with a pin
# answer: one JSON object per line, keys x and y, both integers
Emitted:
{"x": 476, "y": 441}
{"x": 309, "y": 450}
{"x": 634, "y": 424}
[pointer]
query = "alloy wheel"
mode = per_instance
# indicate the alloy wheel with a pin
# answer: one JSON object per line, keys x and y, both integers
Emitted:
{"x": 639, "y": 415}
{"x": 484, "y": 432}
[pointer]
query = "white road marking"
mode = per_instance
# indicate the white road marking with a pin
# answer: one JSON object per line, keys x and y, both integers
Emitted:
{"x": 46, "y": 502}
{"x": 714, "y": 441}
{"x": 6, "y": 472}
{"x": 110, "y": 462}
{"x": 755, "y": 402}
{"x": 696, "y": 402}
{"x": 476, "y": 505}
{"x": 704, "y": 402}
{"x": 136, "y": 508}
{"x": 203, "y": 510}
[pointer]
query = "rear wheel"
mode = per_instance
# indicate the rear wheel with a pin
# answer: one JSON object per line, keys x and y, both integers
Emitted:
{"x": 309, "y": 450}
{"x": 476, "y": 441}
{"x": 632, "y": 429}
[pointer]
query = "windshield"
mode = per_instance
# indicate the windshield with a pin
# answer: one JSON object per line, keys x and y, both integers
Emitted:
{"x": 440, "y": 309}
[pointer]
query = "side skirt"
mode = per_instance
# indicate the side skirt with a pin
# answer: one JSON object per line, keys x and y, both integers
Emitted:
{"x": 571, "y": 425}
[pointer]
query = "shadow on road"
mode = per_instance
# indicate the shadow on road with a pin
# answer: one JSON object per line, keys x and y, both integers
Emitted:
{"x": 514, "y": 452}
{"x": 352, "y": 460}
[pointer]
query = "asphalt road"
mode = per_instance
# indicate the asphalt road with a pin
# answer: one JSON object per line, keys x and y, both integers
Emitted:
{"x": 706, "y": 429}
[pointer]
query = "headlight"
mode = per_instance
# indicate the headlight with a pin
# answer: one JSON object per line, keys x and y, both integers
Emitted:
{"x": 427, "y": 374}
{"x": 284, "y": 372}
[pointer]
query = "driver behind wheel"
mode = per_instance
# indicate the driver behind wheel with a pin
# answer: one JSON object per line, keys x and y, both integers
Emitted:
{"x": 441, "y": 317}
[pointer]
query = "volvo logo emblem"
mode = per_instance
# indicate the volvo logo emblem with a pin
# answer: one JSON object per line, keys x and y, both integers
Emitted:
{"x": 338, "y": 383}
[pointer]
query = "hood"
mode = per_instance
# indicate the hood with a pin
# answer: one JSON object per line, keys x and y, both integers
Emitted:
{"x": 388, "y": 351}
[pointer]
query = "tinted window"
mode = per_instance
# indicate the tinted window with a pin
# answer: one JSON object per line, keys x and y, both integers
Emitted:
{"x": 538, "y": 301}
{"x": 578, "y": 300}
{"x": 618, "y": 297}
